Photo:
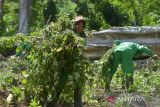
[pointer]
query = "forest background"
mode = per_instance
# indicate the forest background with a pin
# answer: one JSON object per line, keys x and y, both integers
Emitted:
{"x": 25, "y": 16}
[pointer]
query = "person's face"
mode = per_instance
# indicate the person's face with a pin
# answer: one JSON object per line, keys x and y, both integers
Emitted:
{"x": 79, "y": 26}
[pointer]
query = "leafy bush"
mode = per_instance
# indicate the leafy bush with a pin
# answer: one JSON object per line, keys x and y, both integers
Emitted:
{"x": 56, "y": 65}
{"x": 13, "y": 77}
{"x": 7, "y": 45}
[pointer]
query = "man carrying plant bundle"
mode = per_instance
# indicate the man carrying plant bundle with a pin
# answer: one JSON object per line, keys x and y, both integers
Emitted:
{"x": 124, "y": 53}
{"x": 78, "y": 27}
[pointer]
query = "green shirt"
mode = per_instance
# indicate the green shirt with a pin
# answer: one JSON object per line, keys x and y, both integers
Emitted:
{"x": 82, "y": 34}
{"x": 134, "y": 48}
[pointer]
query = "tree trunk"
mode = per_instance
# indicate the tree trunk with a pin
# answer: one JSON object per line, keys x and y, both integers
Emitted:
{"x": 24, "y": 16}
{"x": 1, "y": 10}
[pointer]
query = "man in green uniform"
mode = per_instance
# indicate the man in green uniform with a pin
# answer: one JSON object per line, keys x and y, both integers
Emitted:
{"x": 123, "y": 54}
{"x": 78, "y": 27}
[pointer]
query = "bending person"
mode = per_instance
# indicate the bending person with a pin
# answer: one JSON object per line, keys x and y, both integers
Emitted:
{"x": 123, "y": 54}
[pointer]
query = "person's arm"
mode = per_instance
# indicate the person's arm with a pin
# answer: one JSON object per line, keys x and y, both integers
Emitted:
{"x": 146, "y": 50}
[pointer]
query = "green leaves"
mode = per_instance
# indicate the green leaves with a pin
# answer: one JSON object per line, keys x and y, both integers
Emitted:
{"x": 7, "y": 45}
{"x": 55, "y": 61}
{"x": 23, "y": 49}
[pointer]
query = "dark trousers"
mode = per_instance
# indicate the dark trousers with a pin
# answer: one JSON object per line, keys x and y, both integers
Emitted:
{"x": 126, "y": 82}
{"x": 125, "y": 59}
{"x": 78, "y": 97}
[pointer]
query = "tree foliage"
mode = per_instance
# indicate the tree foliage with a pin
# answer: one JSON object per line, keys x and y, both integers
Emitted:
{"x": 64, "y": 66}
{"x": 100, "y": 14}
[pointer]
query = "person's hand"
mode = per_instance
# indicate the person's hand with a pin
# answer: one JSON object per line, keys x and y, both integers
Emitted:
{"x": 155, "y": 57}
